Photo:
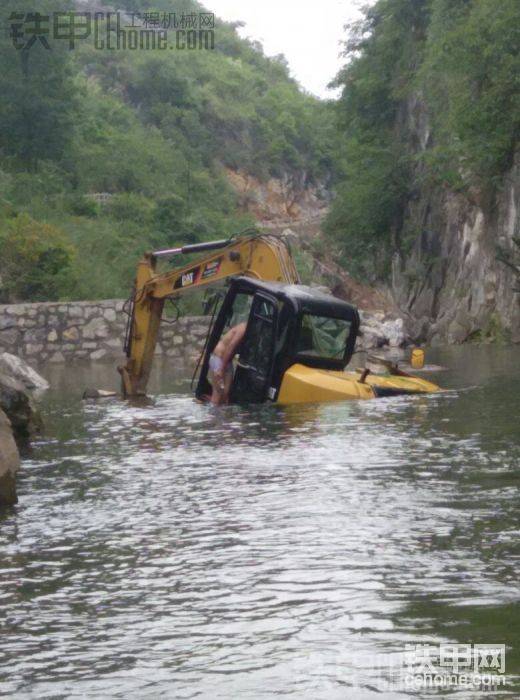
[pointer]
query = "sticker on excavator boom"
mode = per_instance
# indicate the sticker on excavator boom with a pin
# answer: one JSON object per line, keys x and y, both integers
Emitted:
{"x": 211, "y": 268}
{"x": 197, "y": 273}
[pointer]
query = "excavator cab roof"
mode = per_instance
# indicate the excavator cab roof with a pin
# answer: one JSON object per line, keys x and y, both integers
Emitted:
{"x": 303, "y": 297}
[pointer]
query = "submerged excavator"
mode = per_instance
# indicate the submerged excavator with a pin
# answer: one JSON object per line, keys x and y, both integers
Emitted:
{"x": 298, "y": 341}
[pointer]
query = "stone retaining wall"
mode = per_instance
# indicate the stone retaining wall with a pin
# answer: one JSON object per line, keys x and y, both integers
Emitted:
{"x": 75, "y": 331}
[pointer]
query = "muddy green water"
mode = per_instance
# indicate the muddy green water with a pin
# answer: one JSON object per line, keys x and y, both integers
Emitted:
{"x": 179, "y": 551}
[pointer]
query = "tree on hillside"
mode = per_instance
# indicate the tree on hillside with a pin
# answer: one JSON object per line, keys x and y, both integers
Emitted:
{"x": 38, "y": 104}
{"x": 384, "y": 50}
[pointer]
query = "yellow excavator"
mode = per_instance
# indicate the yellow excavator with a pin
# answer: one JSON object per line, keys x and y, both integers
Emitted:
{"x": 298, "y": 341}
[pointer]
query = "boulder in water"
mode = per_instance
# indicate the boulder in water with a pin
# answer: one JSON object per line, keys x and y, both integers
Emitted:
{"x": 19, "y": 418}
{"x": 17, "y": 403}
{"x": 15, "y": 367}
{"x": 9, "y": 462}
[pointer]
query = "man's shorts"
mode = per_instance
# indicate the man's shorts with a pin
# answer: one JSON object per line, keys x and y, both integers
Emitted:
{"x": 216, "y": 364}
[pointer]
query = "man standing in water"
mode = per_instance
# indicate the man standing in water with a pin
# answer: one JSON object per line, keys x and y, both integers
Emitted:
{"x": 221, "y": 363}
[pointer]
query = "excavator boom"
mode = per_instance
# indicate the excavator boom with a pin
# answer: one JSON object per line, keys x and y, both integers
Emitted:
{"x": 264, "y": 257}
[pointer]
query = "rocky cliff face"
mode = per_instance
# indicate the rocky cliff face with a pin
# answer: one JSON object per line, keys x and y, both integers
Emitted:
{"x": 285, "y": 199}
{"x": 451, "y": 286}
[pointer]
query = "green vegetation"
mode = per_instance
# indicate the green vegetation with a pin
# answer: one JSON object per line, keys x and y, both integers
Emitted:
{"x": 36, "y": 260}
{"x": 494, "y": 333}
{"x": 154, "y": 130}
{"x": 454, "y": 63}
{"x": 430, "y": 98}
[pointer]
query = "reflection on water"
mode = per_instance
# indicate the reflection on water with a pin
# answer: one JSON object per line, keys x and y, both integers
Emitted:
{"x": 178, "y": 550}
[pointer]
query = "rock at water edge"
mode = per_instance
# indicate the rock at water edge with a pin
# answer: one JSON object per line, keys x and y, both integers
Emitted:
{"x": 9, "y": 462}
{"x": 13, "y": 366}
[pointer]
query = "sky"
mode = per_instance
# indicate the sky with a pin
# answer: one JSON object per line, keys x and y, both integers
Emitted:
{"x": 309, "y": 35}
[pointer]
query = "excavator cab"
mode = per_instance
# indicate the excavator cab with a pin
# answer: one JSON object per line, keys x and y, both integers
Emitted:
{"x": 287, "y": 324}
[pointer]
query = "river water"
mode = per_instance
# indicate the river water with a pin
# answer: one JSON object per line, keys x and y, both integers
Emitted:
{"x": 174, "y": 550}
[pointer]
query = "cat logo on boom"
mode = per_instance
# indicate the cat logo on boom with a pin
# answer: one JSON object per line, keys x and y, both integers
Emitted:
{"x": 187, "y": 279}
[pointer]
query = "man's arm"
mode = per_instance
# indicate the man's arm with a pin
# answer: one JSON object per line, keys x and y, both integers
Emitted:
{"x": 235, "y": 340}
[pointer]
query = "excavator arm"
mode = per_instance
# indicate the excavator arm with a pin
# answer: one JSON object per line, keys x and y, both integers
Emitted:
{"x": 265, "y": 257}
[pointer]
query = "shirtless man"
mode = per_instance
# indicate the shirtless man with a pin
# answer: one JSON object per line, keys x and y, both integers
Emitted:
{"x": 220, "y": 363}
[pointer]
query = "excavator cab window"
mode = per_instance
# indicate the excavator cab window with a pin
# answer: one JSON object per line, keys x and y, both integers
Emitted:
{"x": 254, "y": 366}
{"x": 240, "y": 310}
{"x": 323, "y": 336}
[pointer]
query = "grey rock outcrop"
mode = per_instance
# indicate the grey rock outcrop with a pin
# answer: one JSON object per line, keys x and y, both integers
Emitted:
{"x": 19, "y": 418}
{"x": 17, "y": 369}
{"x": 378, "y": 331}
{"x": 452, "y": 284}
{"x": 17, "y": 403}
{"x": 9, "y": 462}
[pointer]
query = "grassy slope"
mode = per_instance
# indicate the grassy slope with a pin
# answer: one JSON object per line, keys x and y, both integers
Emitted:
{"x": 154, "y": 130}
